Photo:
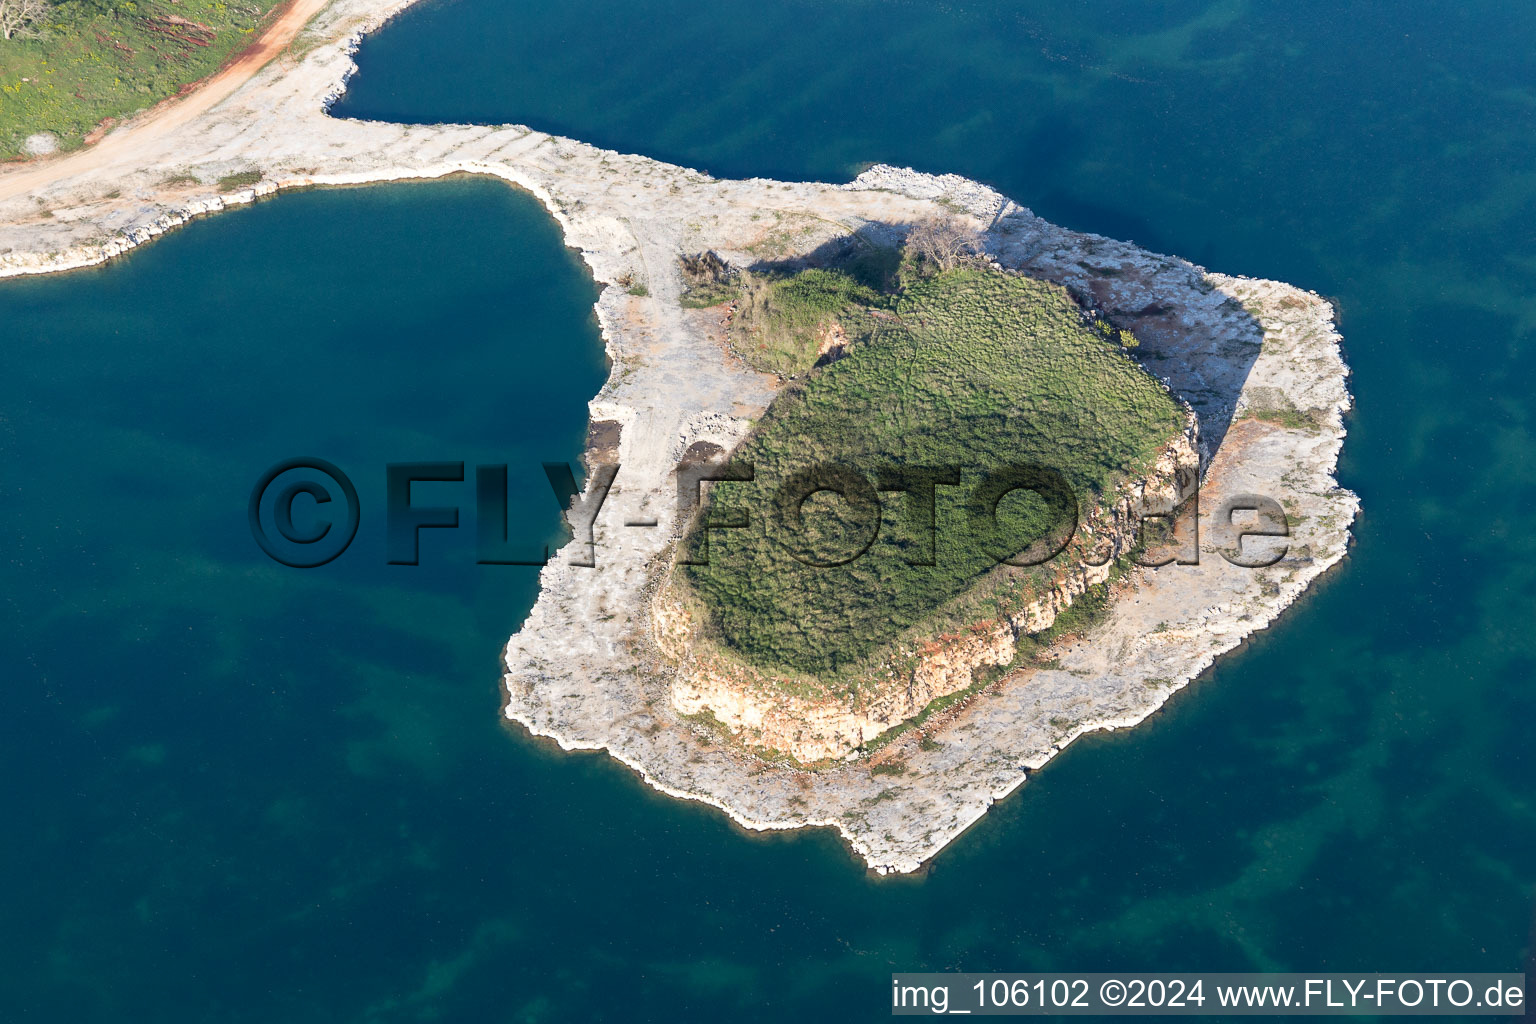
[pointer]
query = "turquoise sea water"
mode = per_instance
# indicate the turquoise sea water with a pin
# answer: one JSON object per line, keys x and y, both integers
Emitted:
{"x": 245, "y": 793}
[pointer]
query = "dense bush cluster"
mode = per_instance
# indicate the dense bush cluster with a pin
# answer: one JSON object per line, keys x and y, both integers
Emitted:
{"x": 972, "y": 370}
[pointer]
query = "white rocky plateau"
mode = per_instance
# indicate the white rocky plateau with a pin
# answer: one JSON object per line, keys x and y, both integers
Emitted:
{"x": 1258, "y": 361}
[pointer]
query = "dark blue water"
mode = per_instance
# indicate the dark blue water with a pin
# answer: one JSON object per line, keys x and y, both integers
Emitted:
{"x": 246, "y": 793}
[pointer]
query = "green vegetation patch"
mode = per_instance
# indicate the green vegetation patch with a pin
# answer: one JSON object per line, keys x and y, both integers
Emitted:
{"x": 784, "y": 324}
{"x": 83, "y": 61}
{"x": 973, "y": 371}
{"x": 238, "y": 180}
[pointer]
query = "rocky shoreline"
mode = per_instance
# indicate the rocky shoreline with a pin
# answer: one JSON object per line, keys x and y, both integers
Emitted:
{"x": 1259, "y": 361}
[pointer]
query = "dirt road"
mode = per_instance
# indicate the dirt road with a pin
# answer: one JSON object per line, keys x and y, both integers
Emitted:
{"x": 127, "y": 143}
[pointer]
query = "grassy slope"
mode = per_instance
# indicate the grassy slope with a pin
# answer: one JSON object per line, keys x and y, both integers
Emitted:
{"x": 94, "y": 63}
{"x": 779, "y": 319}
{"x": 974, "y": 369}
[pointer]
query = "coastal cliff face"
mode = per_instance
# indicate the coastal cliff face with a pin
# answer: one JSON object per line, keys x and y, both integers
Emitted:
{"x": 762, "y": 711}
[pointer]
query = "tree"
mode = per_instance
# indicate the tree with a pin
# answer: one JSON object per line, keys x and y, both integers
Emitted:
{"x": 18, "y": 16}
{"x": 945, "y": 241}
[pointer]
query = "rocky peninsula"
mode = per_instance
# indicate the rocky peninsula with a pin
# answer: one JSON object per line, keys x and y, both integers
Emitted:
{"x": 1258, "y": 363}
